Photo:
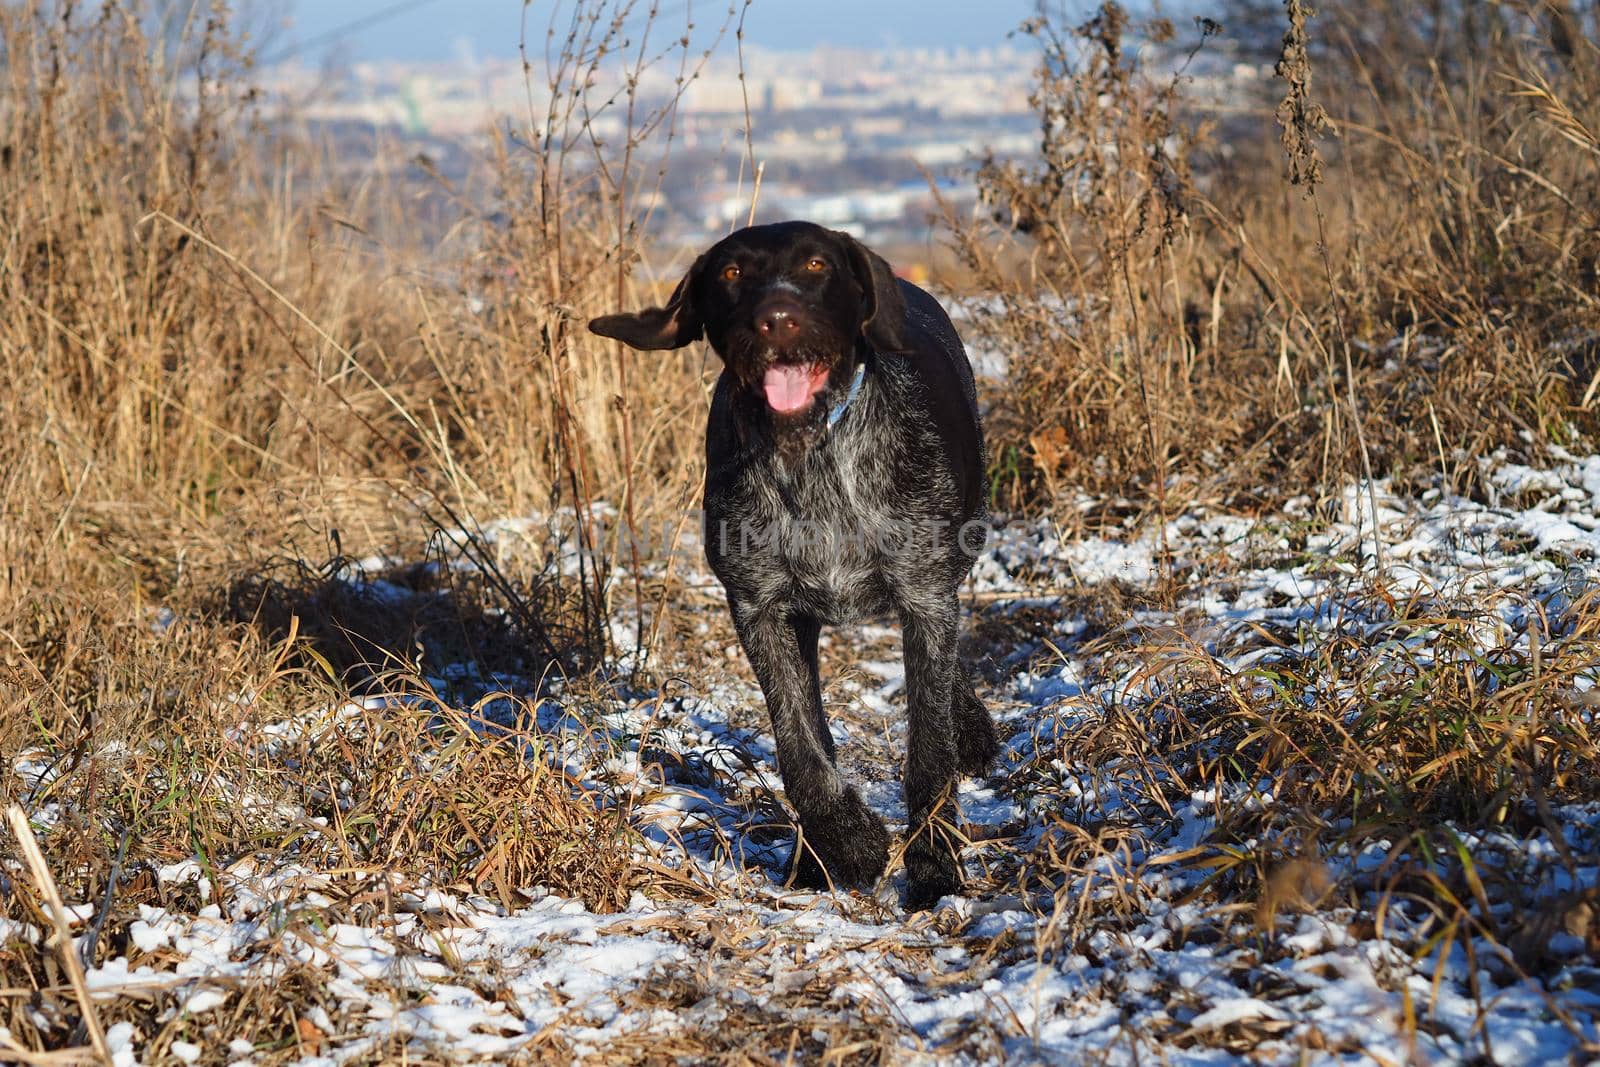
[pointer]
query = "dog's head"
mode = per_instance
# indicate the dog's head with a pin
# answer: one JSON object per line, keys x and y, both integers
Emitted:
{"x": 783, "y": 305}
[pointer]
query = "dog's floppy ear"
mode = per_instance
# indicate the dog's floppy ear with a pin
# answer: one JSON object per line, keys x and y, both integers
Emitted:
{"x": 883, "y": 309}
{"x": 652, "y": 329}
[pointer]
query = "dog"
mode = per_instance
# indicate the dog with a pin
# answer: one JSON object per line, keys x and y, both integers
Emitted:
{"x": 845, "y": 477}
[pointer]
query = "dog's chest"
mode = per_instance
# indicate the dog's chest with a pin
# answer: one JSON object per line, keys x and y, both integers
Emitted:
{"x": 823, "y": 538}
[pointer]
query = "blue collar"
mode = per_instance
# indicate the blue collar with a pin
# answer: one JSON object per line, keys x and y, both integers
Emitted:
{"x": 850, "y": 395}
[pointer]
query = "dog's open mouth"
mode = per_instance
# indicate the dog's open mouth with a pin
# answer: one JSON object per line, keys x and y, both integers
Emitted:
{"x": 790, "y": 386}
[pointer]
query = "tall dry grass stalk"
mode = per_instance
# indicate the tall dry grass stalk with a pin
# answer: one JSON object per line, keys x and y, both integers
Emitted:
{"x": 1304, "y": 121}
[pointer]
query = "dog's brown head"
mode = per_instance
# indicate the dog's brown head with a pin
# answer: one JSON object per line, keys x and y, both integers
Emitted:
{"x": 783, "y": 305}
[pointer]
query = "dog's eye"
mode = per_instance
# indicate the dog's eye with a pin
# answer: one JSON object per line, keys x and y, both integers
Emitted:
{"x": 730, "y": 273}
{"x": 816, "y": 264}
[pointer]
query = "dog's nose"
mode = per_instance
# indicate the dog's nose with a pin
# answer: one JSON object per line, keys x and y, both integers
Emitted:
{"x": 778, "y": 319}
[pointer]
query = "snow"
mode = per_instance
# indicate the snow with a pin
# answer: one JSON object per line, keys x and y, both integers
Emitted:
{"x": 1128, "y": 962}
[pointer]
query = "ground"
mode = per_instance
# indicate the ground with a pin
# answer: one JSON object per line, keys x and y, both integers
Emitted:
{"x": 1150, "y": 877}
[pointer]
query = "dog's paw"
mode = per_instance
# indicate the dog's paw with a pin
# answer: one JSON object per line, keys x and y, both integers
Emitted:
{"x": 845, "y": 846}
{"x": 977, "y": 743}
{"x": 933, "y": 869}
{"x": 803, "y": 870}
{"x": 927, "y": 881}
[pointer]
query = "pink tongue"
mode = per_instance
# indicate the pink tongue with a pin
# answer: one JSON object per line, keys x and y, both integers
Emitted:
{"x": 790, "y": 387}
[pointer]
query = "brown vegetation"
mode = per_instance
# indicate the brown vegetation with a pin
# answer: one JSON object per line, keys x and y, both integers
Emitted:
{"x": 230, "y": 371}
{"x": 221, "y": 385}
{"x": 1185, "y": 319}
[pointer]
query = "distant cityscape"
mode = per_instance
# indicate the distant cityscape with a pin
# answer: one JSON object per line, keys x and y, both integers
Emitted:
{"x": 855, "y": 139}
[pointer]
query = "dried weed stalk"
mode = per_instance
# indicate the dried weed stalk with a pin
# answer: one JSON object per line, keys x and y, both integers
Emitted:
{"x": 1303, "y": 120}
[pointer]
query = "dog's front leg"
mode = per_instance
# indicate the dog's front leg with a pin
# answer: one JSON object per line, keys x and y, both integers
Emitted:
{"x": 841, "y": 840}
{"x": 930, "y": 773}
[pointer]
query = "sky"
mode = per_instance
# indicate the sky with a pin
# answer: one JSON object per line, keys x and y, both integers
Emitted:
{"x": 444, "y": 29}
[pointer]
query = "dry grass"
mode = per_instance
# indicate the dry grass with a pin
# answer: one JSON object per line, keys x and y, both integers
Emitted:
{"x": 231, "y": 370}
{"x": 1186, "y": 326}
{"x": 1177, "y": 319}
{"x": 1399, "y": 725}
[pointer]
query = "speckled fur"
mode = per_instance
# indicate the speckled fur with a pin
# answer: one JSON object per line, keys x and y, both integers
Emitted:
{"x": 808, "y": 526}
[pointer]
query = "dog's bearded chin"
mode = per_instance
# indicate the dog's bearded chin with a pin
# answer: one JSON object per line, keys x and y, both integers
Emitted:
{"x": 790, "y": 387}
